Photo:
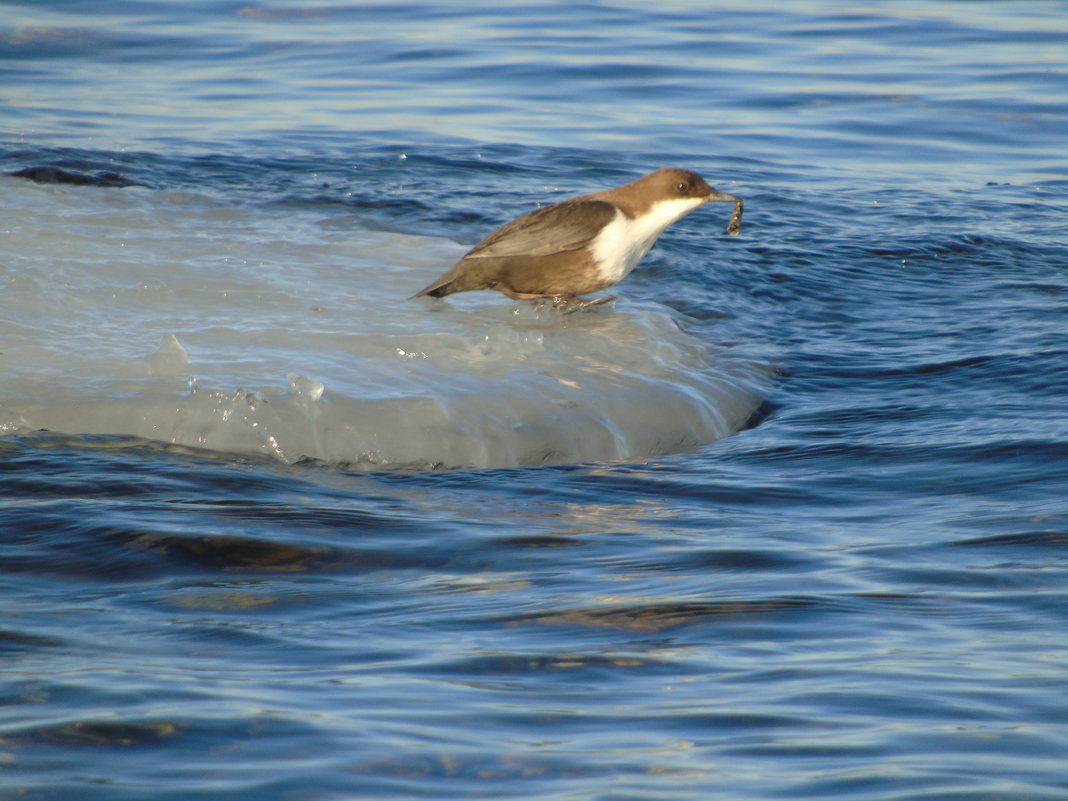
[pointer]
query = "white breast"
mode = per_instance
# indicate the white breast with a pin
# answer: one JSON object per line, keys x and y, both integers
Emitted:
{"x": 624, "y": 241}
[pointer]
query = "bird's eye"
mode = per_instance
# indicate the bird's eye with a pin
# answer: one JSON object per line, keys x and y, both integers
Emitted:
{"x": 680, "y": 186}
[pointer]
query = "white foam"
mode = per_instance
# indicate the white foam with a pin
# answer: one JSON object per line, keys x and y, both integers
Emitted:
{"x": 265, "y": 330}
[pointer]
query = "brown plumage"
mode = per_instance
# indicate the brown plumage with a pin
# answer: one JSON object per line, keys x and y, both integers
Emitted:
{"x": 581, "y": 245}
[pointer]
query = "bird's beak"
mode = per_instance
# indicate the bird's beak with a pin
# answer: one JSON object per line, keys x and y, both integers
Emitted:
{"x": 715, "y": 196}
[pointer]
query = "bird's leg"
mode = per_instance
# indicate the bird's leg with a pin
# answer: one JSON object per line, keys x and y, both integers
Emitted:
{"x": 570, "y": 304}
{"x": 565, "y": 303}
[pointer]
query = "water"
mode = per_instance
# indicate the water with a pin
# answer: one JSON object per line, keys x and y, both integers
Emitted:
{"x": 785, "y": 521}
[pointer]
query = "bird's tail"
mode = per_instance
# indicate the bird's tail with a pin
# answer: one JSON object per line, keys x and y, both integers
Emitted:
{"x": 438, "y": 289}
{"x": 464, "y": 276}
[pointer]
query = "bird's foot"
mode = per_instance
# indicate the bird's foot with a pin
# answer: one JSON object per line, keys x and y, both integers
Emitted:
{"x": 577, "y": 304}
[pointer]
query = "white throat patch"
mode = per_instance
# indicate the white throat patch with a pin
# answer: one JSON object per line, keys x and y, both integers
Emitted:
{"x": 624, "y": 242}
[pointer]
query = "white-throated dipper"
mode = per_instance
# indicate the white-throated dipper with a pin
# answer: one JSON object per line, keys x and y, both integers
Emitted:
{"x": 581, "y": 245}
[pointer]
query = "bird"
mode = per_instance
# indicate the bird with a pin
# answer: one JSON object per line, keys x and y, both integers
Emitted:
{"x": 583, "y": 245}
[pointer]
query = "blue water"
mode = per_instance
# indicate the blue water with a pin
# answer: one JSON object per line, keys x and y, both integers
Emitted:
{"x": 787, "y": 520}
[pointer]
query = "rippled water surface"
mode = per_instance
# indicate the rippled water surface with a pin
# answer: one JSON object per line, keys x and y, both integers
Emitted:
{"x": 786, "y": 520}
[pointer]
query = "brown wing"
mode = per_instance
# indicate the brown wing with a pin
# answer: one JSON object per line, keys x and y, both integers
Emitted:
{"x": 563, "y": 226}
